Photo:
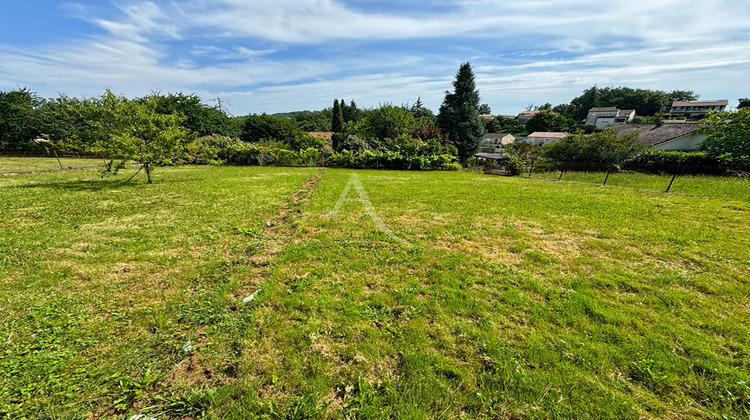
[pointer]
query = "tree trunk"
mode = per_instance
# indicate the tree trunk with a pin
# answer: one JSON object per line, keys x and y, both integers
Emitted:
{"x": 147, "y": 167}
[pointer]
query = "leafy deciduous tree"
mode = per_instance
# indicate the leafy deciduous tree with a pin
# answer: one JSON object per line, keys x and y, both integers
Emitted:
{"x": 265, "y": 127}
{"x": 199, "y": 118}
{"x": 547, "y": 120}
{"x": 386, "y": 122}
{"x": 122, "y": 129}
{"x": 597, "y": 150}
{"x": 728, "y": 135}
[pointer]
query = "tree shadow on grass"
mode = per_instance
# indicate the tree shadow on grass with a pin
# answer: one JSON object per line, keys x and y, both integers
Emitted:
{"x": 94, "y": 185}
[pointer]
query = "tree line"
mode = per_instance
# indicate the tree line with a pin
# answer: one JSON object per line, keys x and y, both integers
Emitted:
{"x": 171, "y": 128}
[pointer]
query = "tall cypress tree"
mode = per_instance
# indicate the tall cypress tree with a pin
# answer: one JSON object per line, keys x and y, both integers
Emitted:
{"x": 337, "y": 123}
{"x": 459, "y": 114}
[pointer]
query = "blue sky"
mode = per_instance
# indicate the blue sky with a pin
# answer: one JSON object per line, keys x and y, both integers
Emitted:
{"x": 280, "y": 55}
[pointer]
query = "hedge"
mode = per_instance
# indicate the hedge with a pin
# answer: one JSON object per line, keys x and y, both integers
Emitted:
{"x": 682, "y": 163}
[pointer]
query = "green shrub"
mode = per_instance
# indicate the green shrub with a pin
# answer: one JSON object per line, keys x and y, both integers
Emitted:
{"x": 688, "y": 163}
{"x": 516, "y": 165}
{"x": 369, "y": 159}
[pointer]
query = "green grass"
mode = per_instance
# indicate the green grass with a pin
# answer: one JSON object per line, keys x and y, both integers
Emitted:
{"x": 730, "y": 188}
{"x": 519, "y": 298}
{"x": 25, "y": 164}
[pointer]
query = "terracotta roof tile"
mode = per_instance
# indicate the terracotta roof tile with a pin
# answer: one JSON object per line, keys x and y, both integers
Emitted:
{"x": 324, "y": 134}
{"x": 552, "y": 135}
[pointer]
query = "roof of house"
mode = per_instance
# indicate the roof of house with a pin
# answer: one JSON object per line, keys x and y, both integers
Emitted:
{"x": 546, "y": 134}
{"x": 493, "y": 156}
{"x": 653, "y": 134}
{"x": 604, "y": 109}
{"x": 625, "y": 112}
{"x": 701, "y": 103}
{"x": 528, "y": 112}
{"x": 487, "y": 116}
{"x": 325, "y": 134}
{"x": 494, "y": 135}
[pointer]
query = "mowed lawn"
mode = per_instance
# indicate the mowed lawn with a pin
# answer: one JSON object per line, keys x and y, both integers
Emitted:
{"x": 235, "y": 292}
{"x": 25, "y": 164}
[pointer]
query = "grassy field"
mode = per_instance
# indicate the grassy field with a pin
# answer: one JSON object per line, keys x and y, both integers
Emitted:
{"x": 724, "y": 187}
{"x": 24, "y": 164}
{"x": 498, "y": 298}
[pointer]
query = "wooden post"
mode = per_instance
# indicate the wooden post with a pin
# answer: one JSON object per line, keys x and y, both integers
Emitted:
{"x": 607, "y": 177}
{"x": 58, "y": 159}
{"x": 531, "y": 168}
{"x": 560, "y": 177}
{"x": 670, "y": 182}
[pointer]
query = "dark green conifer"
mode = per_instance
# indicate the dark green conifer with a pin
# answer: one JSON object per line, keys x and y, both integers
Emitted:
{"x": 459, "y": 114}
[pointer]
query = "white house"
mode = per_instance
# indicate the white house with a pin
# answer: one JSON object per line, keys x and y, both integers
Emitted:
{"x": 697, "y": 109}
{"x": 609, "y": 116}
{"x": 496, "y": 142}
{"x": 682, "y": 137}
{"x": 540, "y": 138}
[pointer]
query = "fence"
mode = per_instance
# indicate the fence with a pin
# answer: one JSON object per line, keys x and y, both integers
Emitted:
{"x": 730, "y": 187}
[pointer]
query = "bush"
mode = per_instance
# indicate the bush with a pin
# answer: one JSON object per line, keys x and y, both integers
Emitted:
{"x": 206, "y": 150}
{"x": 682, "y": 163}
{"x": 388, "y": 160}
{"x": 348, "y": 142}
{"x": 452, "y": 166}
{"x": 591, "y": 152}
{"x": 516, "y": 165}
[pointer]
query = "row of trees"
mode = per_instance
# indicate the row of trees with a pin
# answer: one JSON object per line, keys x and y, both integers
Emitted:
{"x": 25, "y": 116}
{"x": 159, "y": 129}
{"x": 646, "y": 102}
{"x": 726, "y": 147}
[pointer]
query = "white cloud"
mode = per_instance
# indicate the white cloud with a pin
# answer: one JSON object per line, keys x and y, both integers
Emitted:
{"x": 530, "y": 51}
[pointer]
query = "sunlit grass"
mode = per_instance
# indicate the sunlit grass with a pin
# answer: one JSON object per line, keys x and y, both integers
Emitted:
{"x": 724, "y": 187}
{"x": 517, "y": 298}
{"x": 25, "y": 164}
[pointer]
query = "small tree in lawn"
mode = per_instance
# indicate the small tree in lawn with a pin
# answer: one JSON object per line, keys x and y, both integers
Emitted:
{"x": 120, "y": 129}
{"x": 459, "y": 114}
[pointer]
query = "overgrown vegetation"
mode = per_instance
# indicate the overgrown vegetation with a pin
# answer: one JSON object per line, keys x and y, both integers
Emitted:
{"x": 595, "y": 151}
{"x": 728, "y": 137}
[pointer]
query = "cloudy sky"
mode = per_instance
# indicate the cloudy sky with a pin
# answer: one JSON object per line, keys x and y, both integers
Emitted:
{"x": 282, "y": 55}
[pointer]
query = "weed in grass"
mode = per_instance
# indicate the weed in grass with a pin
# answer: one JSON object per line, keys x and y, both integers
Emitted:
{"x": 597, "y": 303}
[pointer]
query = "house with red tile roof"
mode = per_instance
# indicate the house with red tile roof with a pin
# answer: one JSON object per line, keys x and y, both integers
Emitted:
{"x": 540, "y": 138}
